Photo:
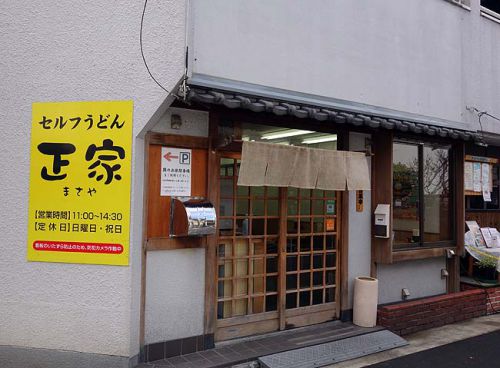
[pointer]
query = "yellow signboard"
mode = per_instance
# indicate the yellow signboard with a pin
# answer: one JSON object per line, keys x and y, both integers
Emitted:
{"x": 79, "y": 205}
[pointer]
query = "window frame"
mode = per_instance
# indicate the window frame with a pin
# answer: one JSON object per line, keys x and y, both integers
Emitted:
{"x": 421, "y": 244}
{"x": 489, "y": 14}
{"x": 465, "y": 4}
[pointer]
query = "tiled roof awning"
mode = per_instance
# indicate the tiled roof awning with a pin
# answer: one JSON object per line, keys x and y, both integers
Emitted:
{"x": 240, "y": 95}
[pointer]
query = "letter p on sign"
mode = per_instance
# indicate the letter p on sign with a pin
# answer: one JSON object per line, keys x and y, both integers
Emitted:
{"x": 185, "y": 158}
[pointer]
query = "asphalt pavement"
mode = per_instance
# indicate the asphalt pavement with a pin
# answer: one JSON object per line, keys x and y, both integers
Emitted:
{"x": 471, "y": 343}
{"x": 480, "y": 351}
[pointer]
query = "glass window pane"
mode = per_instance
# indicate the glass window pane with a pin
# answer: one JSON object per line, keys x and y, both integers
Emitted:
{"x": 271, "y": 264}
{"x": 331, "y": 260}
{"x": 258, "y": 207}
{"x": 258, "y": 226}
{"x": 305, "y": 207}
{"x": 291, "y": 263}
{"x": 226, "y": 207}
{"x": 318, "y": 225}
{"x": 226, "y": 227}
{"x": 224, "y": 310}
{"x": 258, "y": 304}
{"x": 304, "y": 298}
{"x": 437, "y": 225}
{"x": 405, "y": 193}
{"x": 318, "y": 193}
{"x": 241, "y": 287}
{"x": 292, "y": 205}
{"x": 305, "y": 243}
{"x": 330, "y": 295}
{"x": 330, "y": 242}
{"x": 292, "y": 225}
{"x": 258, "y": 266}
{"x": 225, "y": 289}
{"x": 330, "y": 277}
{"x": 272, "y": 207}
{"x": 305, "y": 280}
{"x": 305, "y": 193}
{"x": 271, "y": 283}
{"x": 272, "y": 246}
{"x": 291, "y": 300}
{"x": 318, "y": 261}
{"x": 272, "y": 192}
{"x": 240, "y": 307}
{"x": 317, "y": 296}
{"x": 318, "y": 242}
{"x": 305, "y": 225}
{"x": 258, "y": 247}
{"x": 224, "y": 250}
{"x": 318, "y": 208}
{"x": 242, "y": 267}
{"x": 241, "y": 248}
{"x": 291, "y": 282}
{"x": 273, "y": 226}
{"x": 226, "y": 167}
{"x": 242, "y": 191}
{"x": 318, "y": 278}
{"x": 241, "y": 227}
{"x": 305, "y": 262}
{"x": 271, "y": 303}
{"x": 226, "y": 269}
{"x": 226, "y": 188}
{"x": 258, "y": 285}
{"x": 257, "y": 192}
{"x": 291, "y": 245}
{"x": 241, "y": 207}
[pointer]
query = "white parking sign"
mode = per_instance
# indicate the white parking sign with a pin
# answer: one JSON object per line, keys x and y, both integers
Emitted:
{"x": 175, "y": 172}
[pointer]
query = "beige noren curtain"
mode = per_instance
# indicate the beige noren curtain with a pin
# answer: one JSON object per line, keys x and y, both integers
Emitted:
{"x": 289, "y": 166}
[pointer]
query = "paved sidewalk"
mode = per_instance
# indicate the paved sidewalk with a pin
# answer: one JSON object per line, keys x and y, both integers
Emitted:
{"x": 429, "y": 339}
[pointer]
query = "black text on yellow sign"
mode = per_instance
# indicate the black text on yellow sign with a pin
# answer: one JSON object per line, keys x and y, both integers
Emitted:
{"x": 80, "y": 172}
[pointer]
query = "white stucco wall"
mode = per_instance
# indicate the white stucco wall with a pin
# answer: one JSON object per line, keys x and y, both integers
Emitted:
{"x": 175, "y": 294}
{"x": 429, "y": 57}
{"x": 72, "y": 51}
{"x": 359, "y": 253}
{"x": 175, "y": 279}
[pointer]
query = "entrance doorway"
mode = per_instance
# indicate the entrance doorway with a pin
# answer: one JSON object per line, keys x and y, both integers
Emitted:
{"x": 277, "y": 261}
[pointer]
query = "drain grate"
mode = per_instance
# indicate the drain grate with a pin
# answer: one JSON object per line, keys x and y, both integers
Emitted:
{"x": 334, "y": 352}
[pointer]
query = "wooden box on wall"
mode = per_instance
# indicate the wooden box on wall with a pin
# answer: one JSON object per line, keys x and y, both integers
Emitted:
{"x": 157, "y": 206}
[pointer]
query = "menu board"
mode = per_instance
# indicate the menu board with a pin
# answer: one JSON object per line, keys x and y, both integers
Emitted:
{"x": 478, "y": 178}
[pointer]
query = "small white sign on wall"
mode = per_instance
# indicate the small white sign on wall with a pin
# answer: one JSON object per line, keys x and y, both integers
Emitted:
{"x": 175, "y": 172}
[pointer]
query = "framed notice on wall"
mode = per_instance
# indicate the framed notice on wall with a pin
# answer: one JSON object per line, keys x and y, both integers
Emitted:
{"x": 478, "y": 179}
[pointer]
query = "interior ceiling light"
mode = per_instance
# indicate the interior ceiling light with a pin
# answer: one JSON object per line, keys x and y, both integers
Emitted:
{"x": 286, "y": 133}
{"x": 328, "y": 138}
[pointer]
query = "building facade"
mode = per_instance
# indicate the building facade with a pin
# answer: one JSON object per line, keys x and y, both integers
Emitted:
{"x": 411, "y": 84}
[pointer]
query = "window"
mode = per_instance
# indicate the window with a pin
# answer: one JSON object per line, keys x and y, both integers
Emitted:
{"x": 421, "y": 195}
{"x": 476, "y": 202}
{"x": 462, "y": 3}
{"x": 490, "y": 9}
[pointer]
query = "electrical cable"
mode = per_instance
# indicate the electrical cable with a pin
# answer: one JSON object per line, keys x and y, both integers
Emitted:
{"x": 142, "y": 49}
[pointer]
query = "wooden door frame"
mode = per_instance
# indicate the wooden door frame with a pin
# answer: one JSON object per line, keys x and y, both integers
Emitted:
{"x": 341, "y": 302}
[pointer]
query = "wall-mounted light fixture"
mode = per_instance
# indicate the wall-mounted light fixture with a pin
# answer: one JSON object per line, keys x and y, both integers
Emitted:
{"x": 444, "y": 273}
{"x": 175, "y": 121}
{"x": 285, "y": 134}
{"x": 328, "y": 138}
{"x": 450, "y": 253}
